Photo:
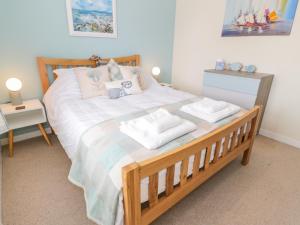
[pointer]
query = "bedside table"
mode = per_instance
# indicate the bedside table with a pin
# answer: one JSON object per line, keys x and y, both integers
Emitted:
{"x": 33, "y": 114}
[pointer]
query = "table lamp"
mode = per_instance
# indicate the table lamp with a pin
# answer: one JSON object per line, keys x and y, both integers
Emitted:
{"x": 156, "y": 72}
{"x": 14, "y": 86}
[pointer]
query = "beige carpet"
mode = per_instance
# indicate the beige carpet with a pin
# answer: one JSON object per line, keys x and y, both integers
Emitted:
{"x": 267, "y": 192}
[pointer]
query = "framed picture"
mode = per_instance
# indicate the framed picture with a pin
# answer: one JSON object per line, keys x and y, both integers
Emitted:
{"x": 259, "y": 17}
{"x": 92, "y": 18}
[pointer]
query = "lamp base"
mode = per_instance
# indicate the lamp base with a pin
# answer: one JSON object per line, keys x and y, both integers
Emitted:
{"x": 15, "y": 98}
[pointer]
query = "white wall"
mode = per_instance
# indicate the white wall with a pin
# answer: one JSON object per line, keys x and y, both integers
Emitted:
{"x": 198, "y": 43}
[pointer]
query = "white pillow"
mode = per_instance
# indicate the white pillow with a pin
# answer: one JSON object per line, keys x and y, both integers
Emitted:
{"x": 92, "y": 81}
{"x": 66, "y": 72}
{"x": 120, "y": 88}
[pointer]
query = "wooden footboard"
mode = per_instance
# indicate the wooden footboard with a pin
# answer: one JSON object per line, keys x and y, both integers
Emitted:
{"x": 232, "y": 140}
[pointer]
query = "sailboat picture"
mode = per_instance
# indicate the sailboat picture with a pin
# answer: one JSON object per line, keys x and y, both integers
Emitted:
{"x": 259, "y": 17}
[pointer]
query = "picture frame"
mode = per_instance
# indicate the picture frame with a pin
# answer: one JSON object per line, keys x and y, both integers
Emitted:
{"x": 259, "y": 17}
{"x": 92, "y": 18}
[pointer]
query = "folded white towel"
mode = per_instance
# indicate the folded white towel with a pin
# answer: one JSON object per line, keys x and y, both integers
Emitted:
{"x": 157, "y": 122}
{"x": 154, "y": 141}
{"x": 212, "y": 117}
{"x": 208, "y": 105}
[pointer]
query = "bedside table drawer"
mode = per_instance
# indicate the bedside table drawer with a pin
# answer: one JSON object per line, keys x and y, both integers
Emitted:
{"x": 25, "y": 119}
{"x": 232, "y": 83}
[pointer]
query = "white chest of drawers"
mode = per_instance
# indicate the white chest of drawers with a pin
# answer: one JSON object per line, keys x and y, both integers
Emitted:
{"x": 240, "y": 88}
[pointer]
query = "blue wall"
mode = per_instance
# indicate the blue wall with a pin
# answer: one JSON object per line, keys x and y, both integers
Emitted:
{"x": 39, "y": 28}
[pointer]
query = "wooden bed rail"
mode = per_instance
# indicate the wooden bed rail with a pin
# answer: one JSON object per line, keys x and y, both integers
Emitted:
{"x": 226, "y": 143}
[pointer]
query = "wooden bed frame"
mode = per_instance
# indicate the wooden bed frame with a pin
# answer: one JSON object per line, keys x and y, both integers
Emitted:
{"x": 229, "y": 137}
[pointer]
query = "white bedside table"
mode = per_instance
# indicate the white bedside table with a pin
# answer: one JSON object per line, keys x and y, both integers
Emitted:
{"x": 33, "y": 114}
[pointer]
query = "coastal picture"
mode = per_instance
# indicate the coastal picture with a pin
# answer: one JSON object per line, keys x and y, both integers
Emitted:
{"x": 92, "y": 18}
{"x": 259, "y": 17}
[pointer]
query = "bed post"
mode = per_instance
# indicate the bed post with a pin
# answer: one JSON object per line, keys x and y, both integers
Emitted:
{"x": 132, "y": 194}
{"x": 253, "y": 133}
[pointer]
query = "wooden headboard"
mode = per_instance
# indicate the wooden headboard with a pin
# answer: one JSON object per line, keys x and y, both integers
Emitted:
{"x": 45, "y": 64}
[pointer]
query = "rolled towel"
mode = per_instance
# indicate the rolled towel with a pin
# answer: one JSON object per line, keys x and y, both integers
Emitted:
{"x": 157, "y": 122}
{"x": 154, "y": 141}
{"x": 208, "y": 105}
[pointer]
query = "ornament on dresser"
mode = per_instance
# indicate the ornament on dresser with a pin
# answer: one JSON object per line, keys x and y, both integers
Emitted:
{"x": 235, "y": 66}
{"x": 250, "y": 68}
{"x": 220, "y": 64}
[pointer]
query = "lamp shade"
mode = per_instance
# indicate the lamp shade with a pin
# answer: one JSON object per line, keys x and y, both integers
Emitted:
{"x": 13, "y": 84}
{"x": 156, "y": 71}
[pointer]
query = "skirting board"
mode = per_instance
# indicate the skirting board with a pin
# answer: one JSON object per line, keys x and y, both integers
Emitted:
{"x": 280, "y": 138}
{"x": 25, "y": 136}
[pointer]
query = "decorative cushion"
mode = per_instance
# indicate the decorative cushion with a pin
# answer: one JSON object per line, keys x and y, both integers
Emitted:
{"x": 118, "y": 72}
{"x": 92, "y": 81}
{"x": 114, "y": 71}
{"x": 121, "y": 88}
{"x": 128, "y": 72}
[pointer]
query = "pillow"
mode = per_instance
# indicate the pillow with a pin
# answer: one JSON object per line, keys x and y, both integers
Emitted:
{"x": 92, "y": 81}
{"x": 66, "y": 72}
{"x": 128, "y": 72}
{"x": 118, "y": 72}
{"x": 121, "y": 88}
{"x": 114, "y": 70}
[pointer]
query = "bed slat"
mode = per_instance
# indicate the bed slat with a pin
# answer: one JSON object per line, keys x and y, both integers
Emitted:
{"x": 196, "y": 164}
{"x": 153, "y": 190}
{"x": 248, "y": 128}
{"x": 54, "y": 67}
{"x": 217, "y": 151}
{"x": 207, "y": 157}
{"x": 233, "y": 140}
{"x": 241, "y": 136}
{"x": 170, "y": 180}
{"x": 225, "y": 145}
{"x": 184, "y": 171}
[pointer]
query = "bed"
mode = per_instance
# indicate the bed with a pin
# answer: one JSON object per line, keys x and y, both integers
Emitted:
{"x": 157, "y": 182}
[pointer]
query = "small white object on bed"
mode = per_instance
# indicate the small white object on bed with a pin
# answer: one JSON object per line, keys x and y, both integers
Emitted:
{"x": 208, "y": 105}
{"x": 157, "y": 122}
{"x": 157, "y": 129}
{"x": 210, "y": 110}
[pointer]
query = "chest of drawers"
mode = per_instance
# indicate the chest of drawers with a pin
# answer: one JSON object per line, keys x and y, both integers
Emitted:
{"x": 240, "y": 88}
